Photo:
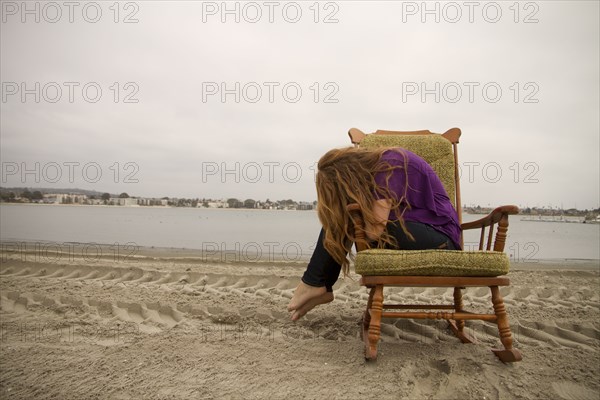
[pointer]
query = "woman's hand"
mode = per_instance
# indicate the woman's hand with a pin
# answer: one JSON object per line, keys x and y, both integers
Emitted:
{"x": 381, "y": 210}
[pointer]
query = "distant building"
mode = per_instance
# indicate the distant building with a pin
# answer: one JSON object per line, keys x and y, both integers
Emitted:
{"x": 65, "y": 198}
{"x": 123, "y": 201}
{"x": 303, "y": 205}
{"x": 215, "y": 204}
{"x": 50, "y": 199}
{"x": 94, "y": 202}
{"x": 144, "y": 201}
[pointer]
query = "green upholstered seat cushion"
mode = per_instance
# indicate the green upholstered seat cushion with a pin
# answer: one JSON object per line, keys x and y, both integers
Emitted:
{"x": 431, "y": 262}
{"x": 433, "y": 148}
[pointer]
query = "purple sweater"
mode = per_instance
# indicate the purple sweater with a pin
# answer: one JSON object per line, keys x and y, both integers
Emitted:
{"x": 428, "y": 200}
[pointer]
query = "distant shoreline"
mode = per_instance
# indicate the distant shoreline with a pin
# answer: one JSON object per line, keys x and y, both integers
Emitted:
{"x": 138, "y": 206}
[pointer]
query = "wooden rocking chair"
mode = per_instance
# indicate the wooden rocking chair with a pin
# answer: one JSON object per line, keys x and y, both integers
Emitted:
{"x": 434, "y": 268}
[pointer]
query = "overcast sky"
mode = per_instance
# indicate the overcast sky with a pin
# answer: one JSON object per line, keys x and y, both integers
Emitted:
{"x": 521, "y": 81}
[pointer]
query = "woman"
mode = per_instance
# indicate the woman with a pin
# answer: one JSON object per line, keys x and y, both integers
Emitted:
{"x": 404, "y": 206}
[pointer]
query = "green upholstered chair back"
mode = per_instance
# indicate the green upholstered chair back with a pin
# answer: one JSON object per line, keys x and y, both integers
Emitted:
{"x": 433, "y": 148}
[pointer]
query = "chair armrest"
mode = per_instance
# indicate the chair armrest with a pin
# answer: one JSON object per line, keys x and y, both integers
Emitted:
{"x": 499, "y": 216}
{"x": 492, "y": 218}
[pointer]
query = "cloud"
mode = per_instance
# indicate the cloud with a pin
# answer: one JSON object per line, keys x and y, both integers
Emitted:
{"x": 353, "y": 73}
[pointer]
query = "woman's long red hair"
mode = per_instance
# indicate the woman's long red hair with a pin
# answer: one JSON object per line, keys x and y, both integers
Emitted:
{"x": 347, "y": 176}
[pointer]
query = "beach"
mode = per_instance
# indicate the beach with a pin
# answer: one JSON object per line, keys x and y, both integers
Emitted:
{"x": 171, "y": 324}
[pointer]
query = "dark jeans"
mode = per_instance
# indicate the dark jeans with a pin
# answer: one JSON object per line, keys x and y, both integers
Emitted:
{"x": 323, "y": 270}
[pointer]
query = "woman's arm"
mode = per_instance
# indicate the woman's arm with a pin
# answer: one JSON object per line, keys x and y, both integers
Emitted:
{"x": 381, "y": 209}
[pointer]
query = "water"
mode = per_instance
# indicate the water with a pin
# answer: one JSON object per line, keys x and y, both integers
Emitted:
{"x": 531, "y": 241}
{"x": 277, "y": 234}
{"x": 280, "y": 234}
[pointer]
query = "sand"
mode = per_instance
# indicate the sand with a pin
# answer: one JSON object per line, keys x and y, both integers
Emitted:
{"x": 170, "y": 325}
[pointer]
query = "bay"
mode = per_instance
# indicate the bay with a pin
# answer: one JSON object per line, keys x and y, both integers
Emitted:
{"x": 255, "y": 234}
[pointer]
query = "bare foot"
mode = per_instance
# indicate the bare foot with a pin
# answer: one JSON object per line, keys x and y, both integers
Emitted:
{"x": 326, "y": 297}
{"x": 304, "y": 293}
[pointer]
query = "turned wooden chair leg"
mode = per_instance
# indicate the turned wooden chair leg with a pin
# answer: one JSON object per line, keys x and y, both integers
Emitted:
{"x": 367, "y": 316}
{"x": 374, "y": 332}
{"x": 458, "y": 326}
{"x": 508, "y": 354}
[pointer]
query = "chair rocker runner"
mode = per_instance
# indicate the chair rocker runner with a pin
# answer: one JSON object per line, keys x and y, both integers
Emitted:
{"x": 434, "y": 268}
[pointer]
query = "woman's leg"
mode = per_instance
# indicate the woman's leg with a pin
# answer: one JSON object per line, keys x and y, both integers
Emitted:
{"x": 322, "y": 270}
{"x": 317, "y": 282}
